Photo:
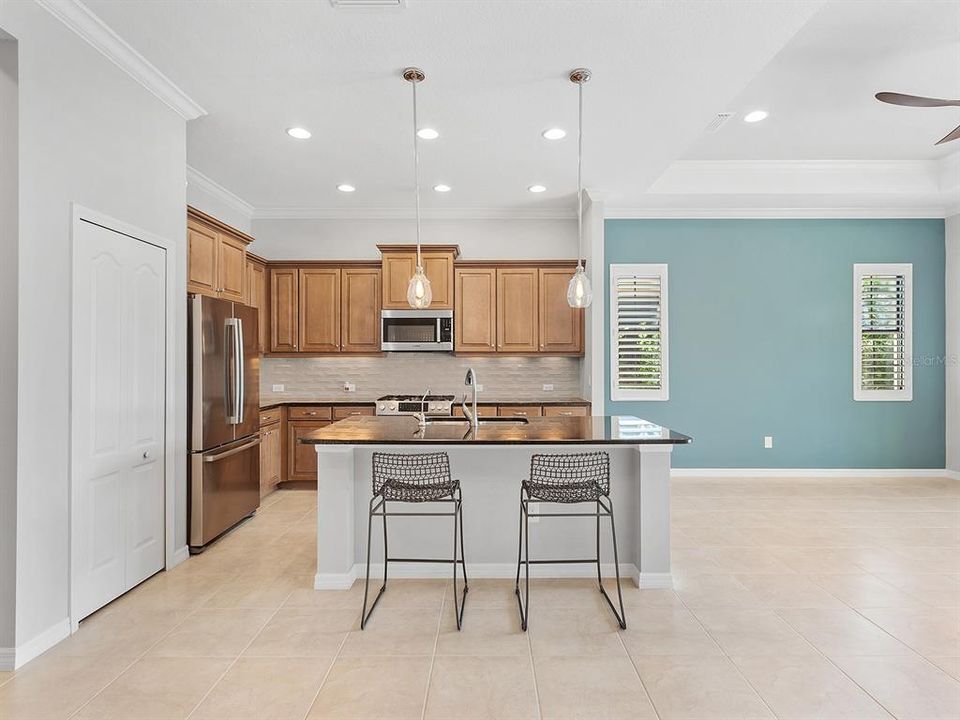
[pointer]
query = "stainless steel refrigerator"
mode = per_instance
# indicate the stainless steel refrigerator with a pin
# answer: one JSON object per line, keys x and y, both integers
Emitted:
{"x": 224, "y": 468}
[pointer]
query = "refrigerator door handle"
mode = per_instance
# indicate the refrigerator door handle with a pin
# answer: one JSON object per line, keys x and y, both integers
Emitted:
{"x": 231, "y": 451}
{"x": 230, "y": 374}
{"x": 241, "y": 386}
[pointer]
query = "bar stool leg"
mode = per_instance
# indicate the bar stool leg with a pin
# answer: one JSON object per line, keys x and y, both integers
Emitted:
{"x": 621, "y": 616}
{"x": 523, "y": 558}
{"x": 599, "y": 574}
{"x": 366, "y": 583}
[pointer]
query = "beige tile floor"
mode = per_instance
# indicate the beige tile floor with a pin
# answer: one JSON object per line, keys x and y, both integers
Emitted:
{"x": 794, "y": 599}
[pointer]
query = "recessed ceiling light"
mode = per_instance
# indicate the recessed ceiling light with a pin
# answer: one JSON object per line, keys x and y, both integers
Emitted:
{"x": 427, "y": 134}
{"x": 299, "y": 133}
{"x": 442, "y": 188}
{"x": 345, "y": 187}
{"x": 536, "y": 188}
{"x": 755, "y": 116}
{"x": 554, "y": 134}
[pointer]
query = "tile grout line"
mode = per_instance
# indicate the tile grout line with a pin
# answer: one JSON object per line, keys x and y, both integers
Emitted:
{"x": 533, "y": 669}
{"x": 326, "y": 675}
{"x": 636, "y": 670}
{"x": 436, "y": 643}
{"x": 729, "y": 659}
{"x": 133, "y": 662}
{"x": 234, "y": 661}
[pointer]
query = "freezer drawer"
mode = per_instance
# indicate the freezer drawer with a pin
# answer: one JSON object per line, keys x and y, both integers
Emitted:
{"x": 224, "y": 488}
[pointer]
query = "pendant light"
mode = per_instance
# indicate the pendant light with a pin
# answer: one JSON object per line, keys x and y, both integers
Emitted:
{"x": 419, "y": 294}
{"x": 579, "y": 291}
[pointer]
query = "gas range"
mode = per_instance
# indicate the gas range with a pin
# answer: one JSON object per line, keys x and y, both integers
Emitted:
{"x": 412, "y": 404}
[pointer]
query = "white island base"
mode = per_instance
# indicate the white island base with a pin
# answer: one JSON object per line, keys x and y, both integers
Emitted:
{"x": 490, "y": 478}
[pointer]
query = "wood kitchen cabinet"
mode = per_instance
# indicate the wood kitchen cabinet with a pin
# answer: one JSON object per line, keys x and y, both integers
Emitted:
{"x": 271, "y": 456}
{"x": 399, "y": 263}
{"x": 257, "y": 292}
{"x": 566, "y": 410}
{"x": 302, "y": 459}
{"x": 360, "y": 310}
{"x": 561, "y": 326}
{"x": 520, "y": 410}
{"x": 475, "y": 310}
{"x": 319, "y": 310}
{"x": 517, "y": 309}
{"x": 284, "y": 304}
{"x": 216, "y": 257}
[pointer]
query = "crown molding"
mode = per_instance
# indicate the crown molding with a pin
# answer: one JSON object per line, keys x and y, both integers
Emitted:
{"x": 211, "y": 187}
{"x": 308, "y": 213}
{"x": 79, "y": 18}
{"x": 704, "y": 213}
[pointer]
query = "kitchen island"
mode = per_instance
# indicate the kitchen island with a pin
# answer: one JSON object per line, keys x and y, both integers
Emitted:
{"x": 490, "y": 462}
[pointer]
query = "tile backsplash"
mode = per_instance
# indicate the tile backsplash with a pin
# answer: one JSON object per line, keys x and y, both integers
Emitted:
{"x": 503, "y": 378}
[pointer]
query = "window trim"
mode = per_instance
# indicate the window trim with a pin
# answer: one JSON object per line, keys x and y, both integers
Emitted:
{"x": 649, "y": 270}
{"x": 859, "y": 271}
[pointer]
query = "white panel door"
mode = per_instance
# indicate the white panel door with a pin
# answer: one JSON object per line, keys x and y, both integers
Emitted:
{"x": 118, "y": 395}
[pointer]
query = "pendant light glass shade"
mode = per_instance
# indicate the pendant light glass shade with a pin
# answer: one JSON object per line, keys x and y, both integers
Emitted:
{"x": 419, "y": 294}
{"x": 579, "y": 291}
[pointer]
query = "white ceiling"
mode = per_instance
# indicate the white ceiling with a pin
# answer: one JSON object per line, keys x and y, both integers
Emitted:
{"x": 496, "y": 76}
{"x": 819, "y": 90}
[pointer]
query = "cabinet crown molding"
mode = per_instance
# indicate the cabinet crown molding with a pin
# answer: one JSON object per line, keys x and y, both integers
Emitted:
{"x": 388, "y": 248}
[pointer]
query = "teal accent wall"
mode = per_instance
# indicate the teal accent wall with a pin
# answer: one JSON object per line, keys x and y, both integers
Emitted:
{"x": 761, "y": 340}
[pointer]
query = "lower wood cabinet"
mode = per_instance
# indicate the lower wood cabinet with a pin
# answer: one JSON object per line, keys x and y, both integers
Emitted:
{"x": 566, "y": 410}
{"x": 271, "y": 457}
{"x": 520, "y": 410}
{"x": 342, "y": 412}
{"x": 482, "y": 410}
{"x": 302, "y": 459}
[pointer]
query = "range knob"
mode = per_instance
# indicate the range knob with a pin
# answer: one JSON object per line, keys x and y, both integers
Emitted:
{"x": 382, "y": 406}
{"x": 393, "y": 406}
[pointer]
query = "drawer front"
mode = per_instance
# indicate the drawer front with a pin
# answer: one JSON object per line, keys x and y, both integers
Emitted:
{"x": 345, "y": 411}
{"x": 566, "y": 411}
{"x": 521, "y": 410}
{"x": 309, "y": 412}
{"x": 270, "y": 416}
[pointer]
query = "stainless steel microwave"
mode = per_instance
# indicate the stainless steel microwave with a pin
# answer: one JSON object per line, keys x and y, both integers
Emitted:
{"x": 416, "y": 330}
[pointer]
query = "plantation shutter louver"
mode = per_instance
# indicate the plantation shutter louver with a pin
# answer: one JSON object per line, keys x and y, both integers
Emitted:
{"x": 882, "y": 321}
{"x": 639, "y": 336}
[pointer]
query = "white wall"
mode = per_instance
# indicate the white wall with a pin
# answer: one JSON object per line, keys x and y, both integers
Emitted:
{"x": 358, "y": 239}
{"x": 953, "y": 342}
{"x": 8, "y": 348}
{"x": 88, "y": 134}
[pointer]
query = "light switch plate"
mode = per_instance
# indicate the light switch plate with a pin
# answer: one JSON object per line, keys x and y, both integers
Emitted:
{"x": 768, "y": 441}
{"x": 547, "y": 387}
{"x": 278, "y": 388}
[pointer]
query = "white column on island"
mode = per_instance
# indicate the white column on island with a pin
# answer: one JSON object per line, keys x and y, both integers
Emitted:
{"x": 336, "y": 517}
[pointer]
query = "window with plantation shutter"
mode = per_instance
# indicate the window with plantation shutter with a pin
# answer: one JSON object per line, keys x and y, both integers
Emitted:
{"x": 882, "y": 326}
{"x": 638, "y": 329}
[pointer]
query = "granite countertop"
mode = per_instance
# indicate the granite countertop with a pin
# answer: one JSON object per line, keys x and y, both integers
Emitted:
{"x": 404, "y": 430}
{"x": 268, "y": 404}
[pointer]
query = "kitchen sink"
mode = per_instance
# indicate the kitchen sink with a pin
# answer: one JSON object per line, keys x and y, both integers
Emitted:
{"x": 483, "y": 420}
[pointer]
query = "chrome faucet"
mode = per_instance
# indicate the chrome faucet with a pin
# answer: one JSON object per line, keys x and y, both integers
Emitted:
{"x": 422, "y": 415}
{"x": 471, "y": 414}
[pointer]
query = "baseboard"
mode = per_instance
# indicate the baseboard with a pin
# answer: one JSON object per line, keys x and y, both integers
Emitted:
{"x": 343, "y": 581}
{"x": 810, "y": 472}
{"x": 179, "y": 556}
{"x": 953, "y": 474}
{"x": 8, "y": 657}
{"x": 41, "y": 643}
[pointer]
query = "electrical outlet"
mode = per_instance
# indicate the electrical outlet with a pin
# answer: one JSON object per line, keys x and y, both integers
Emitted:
{"x": 768, "y": 441}
{"x": 534, "y": 509}
{"x": 479, "y": 388}
{"x": 349, "y": 387}
{"x": 547, "y": 387}
{"x": 278, "y": 388}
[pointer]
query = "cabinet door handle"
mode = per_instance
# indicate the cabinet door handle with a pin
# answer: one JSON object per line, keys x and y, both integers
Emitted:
{"x": 310, "y": 413}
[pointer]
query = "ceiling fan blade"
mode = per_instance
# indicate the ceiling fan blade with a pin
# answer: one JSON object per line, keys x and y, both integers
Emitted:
{"x": 914, "y": 100}
{"x": 954, "y": 135}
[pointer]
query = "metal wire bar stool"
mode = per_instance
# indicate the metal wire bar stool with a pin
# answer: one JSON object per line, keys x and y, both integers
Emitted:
{"x": 411, "y": 478}
{"x": 568, "y": 480}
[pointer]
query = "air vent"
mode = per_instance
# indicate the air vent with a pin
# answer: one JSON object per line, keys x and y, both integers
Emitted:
{"x": 718, "y": 122}
{"x": 368, "y": 3}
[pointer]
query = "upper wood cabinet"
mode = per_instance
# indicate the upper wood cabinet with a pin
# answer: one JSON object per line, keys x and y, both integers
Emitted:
{"x": 319, "y": 310}
{"x": 561, "y": 326}
{"x": 360, "y": 310}
{"x": 216, "y": 257}
{"x": 475, "y": 310}
{"x": 284, "y": 302}
{"x": 258, "y": 290}
{"x": 517, "y": 309}
{"x": 399, "y": 263}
